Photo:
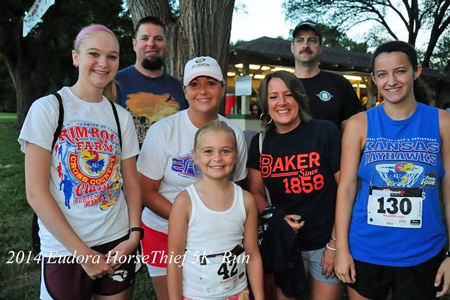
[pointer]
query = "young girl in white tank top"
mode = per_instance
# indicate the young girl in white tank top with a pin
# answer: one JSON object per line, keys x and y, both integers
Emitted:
{"x": 213, "y": 227}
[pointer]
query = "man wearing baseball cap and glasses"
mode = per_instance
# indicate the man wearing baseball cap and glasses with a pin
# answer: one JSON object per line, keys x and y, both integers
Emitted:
{"x": 331, "y": 96}
{"x": 166, "y": 165}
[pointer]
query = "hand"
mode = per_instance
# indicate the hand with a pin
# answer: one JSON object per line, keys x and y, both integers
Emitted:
{"x": 294, "y": 222}
{"x": 328, "y": 259}
{"x": 125, "y": 248}
{"x": 344, "y": 267}
{"x": 95, "y": 265}
{"x": 443, "y": 274}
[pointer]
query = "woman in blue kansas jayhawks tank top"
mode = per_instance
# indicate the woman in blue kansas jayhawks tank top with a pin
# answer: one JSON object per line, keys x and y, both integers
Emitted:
{"x": 400, "y": 152}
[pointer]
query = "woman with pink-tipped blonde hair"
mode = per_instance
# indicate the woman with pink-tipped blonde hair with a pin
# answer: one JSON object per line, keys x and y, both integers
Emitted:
{"x": 81, "y": 179}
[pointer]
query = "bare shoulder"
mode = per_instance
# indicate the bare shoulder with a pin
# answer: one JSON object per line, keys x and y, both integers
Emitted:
{"x": 357, "y": 125}
{"x": 444, "y": 121}
{"x": 249, "y": 200}
{"x": 182, "y": 202}
{"x": 359, "y": 119}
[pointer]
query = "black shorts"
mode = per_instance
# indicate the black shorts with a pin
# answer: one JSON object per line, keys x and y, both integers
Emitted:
{"x": 68, "y": 280}
{"x": 416, "y": 282}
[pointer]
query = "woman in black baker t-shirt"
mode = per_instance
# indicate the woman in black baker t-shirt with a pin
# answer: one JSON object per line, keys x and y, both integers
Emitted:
{"x": 299, "y": 165}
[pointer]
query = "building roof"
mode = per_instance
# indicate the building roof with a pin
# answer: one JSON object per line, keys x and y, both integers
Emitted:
{"x": 275, "y": 51}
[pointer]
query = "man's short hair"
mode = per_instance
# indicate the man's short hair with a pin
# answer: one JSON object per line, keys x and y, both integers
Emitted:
{"x": 149, "y": 20}
{"x": 308, "y": 25}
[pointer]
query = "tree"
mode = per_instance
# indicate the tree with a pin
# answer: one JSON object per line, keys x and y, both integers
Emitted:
{"x": 414, "y": 15}
{"x": 334, "y": 38}
{"x": 41, "y": 62}
{"x": 7, "y": 99}
{"x": 440, "y": 59}
{"x": 195, "y": 27}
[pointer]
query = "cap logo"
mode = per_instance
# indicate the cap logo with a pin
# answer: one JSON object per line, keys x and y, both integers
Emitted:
{"x": 200, "y": 60}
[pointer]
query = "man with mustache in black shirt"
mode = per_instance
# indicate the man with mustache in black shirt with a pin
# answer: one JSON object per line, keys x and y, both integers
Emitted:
{"x": 331, "y": 96}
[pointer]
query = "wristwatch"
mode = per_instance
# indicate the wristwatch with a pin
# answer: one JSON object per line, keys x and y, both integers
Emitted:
{"x": 137, "y": 229}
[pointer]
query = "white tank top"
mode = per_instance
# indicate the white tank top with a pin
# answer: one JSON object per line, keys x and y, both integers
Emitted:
{"x": 215, "y": 261}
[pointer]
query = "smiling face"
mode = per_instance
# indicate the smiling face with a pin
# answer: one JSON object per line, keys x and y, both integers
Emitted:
{"x": 283, "y": 108}
{"x": 306, "y": 47}
{"x": 203, "y": 95}
{"x": 97, "y": 58}
{"x": 150, "y": 44}
{"x": 216, "y": 154}
{"x": 394, "y": 76}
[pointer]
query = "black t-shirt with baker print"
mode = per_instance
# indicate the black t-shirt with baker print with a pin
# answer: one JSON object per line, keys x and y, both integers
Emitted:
{"x": 298, "y": 169}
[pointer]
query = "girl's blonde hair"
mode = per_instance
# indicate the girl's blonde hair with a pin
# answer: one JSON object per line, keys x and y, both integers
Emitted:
{"x": 215, "y": 126}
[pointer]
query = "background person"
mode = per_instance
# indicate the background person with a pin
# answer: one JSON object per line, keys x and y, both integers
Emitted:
{"x": 166, "y": 165}
{"x": 145, "y": 89}
{"x": 214, "y": 216}
{"x": 390, "y": 233}
{"x": 94, "y": 217}
{"x": 331, "y": 96}
{"x": 299, "y": 165}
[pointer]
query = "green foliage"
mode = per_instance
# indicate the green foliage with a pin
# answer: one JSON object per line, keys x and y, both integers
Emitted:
{"x": 334, "y": 38}
{"x": 411, "y": 16}
{"x": 441, "y": 60}
{"x": 45, "y": 54}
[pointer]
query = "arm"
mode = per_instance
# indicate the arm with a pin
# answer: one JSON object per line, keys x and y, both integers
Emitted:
{"x": 37, "y": 179}
{"x": 254, "y": 267}
{"x": 257, "y": 188}
{"x": 444, "y": 269}
{"x": 132, "y": 195}
{"x": 352, "y": 142}
{"x": 178, "y": 224}
{"x": 329, "y": 255}
{"x": 152, "y": 199}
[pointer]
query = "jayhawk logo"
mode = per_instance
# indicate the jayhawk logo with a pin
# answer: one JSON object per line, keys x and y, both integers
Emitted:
{"x": 94, "y": 161}
{"x": 403, "y": 174}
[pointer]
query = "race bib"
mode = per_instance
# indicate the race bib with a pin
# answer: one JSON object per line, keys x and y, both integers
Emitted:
{"x": 223, "y": 271}
{"x": 395, "y": 207}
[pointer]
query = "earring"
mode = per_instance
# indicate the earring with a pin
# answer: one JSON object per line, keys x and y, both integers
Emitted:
{"x": 261, "y": 116}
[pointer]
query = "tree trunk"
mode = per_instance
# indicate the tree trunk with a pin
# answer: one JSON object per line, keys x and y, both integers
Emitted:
{"x": 441, "y": 22}
{"x": 203, "y": 28}
{"x": 23, "y": 70}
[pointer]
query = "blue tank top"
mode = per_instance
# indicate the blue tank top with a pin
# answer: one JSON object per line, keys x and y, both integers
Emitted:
{"x": 400, "y": 167}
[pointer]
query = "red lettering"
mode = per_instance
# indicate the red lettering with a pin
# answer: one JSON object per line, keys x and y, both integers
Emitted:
{"x": 289, "y": 163}
{"x": 94, "y": 133}
{"x": 97, "y": 146}
{"x": 80, "y": 146}
{"x": 301, "y": 161}
{"x": 63, "y": 136}
{"x": 278, "y": 165}
{"x": 265, "y": 162}
{"x": 108, "y": 148}
{"x": 314, "y": 158}
{"x": 81, "y": 132}
{"x": 88, "y": 146}
{"x": 104, "y": 135}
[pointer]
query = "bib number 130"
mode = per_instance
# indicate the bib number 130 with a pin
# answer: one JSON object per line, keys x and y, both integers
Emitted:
{"x": 395, "y": 207}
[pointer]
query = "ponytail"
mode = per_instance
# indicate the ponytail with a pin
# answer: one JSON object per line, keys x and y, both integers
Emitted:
{"x": 110, "y": 91}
